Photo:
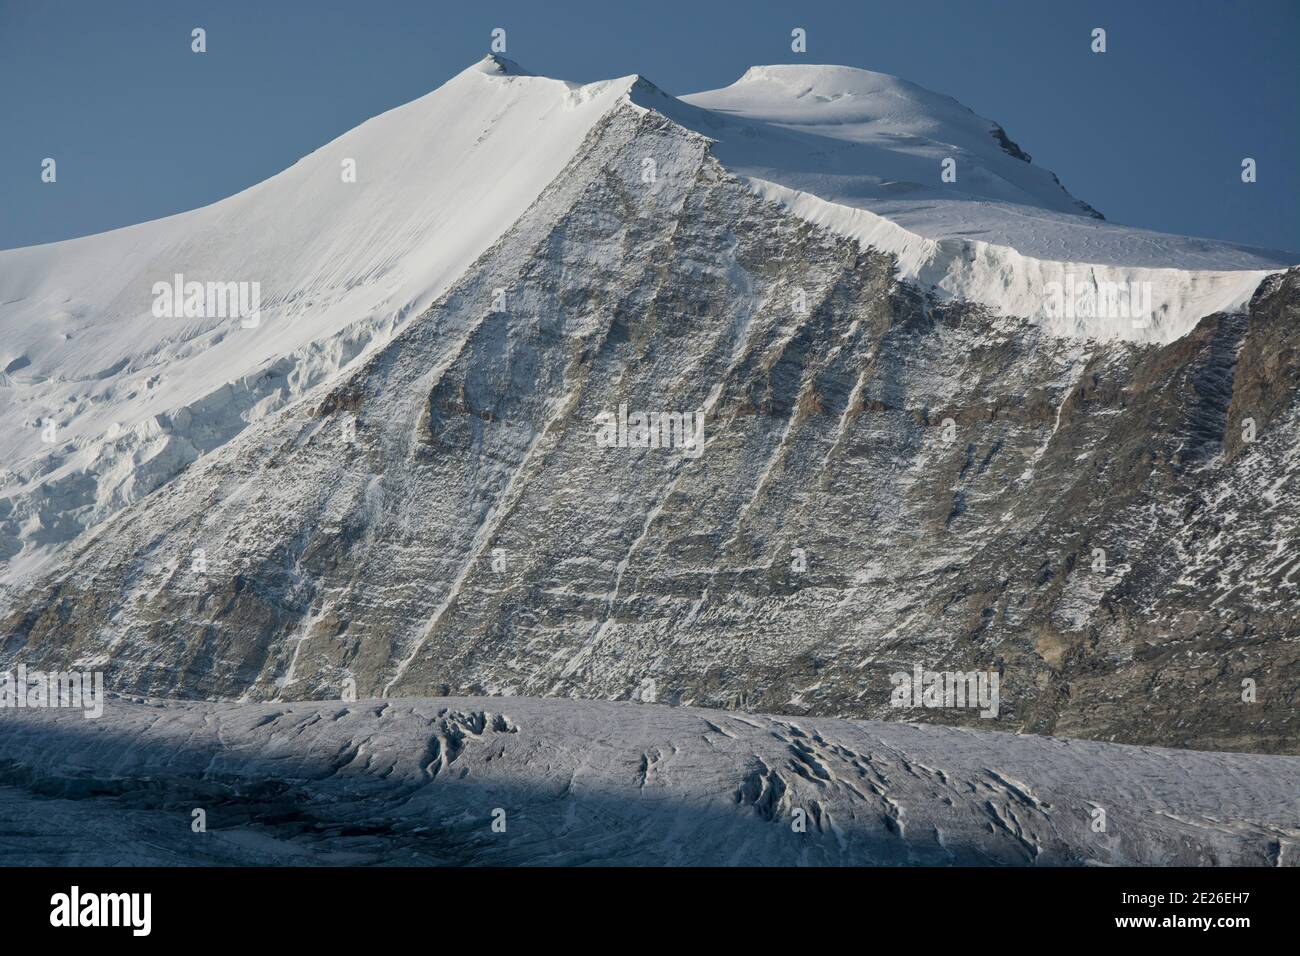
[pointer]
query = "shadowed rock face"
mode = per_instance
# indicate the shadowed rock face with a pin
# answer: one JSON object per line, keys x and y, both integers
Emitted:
{"x": 884, "y": 483}
{"x": 423, "y": 781}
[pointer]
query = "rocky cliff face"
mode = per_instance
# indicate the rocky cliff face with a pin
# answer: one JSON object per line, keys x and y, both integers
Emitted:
{"x": 884, "y": 482}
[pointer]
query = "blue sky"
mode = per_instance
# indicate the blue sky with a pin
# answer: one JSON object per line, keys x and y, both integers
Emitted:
{"x": 1152, "y": 132}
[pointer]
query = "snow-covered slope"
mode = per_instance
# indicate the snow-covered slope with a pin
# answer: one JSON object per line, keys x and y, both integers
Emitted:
{"x": 134, "y": 398}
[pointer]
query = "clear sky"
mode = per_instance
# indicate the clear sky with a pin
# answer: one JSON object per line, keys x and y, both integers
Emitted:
{"x": 1152, "y": 132}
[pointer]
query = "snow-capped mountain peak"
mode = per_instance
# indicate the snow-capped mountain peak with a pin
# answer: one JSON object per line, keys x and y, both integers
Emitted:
{"x": 342, "y": 248}
{"x": 105, "y": 399}
{"x": 895, "y": 136}
{"x": 895, "y": 458}
{"x": 494, "y": 64}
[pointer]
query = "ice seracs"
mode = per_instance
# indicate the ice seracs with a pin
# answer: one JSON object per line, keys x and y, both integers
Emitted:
{"x": 862, "y": 153}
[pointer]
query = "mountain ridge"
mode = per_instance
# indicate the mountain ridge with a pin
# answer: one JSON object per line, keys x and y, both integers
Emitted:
{"x": 945, "y": 473}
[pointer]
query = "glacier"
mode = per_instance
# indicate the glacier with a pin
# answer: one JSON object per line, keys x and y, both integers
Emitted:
{"x": 517, "y": 781}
